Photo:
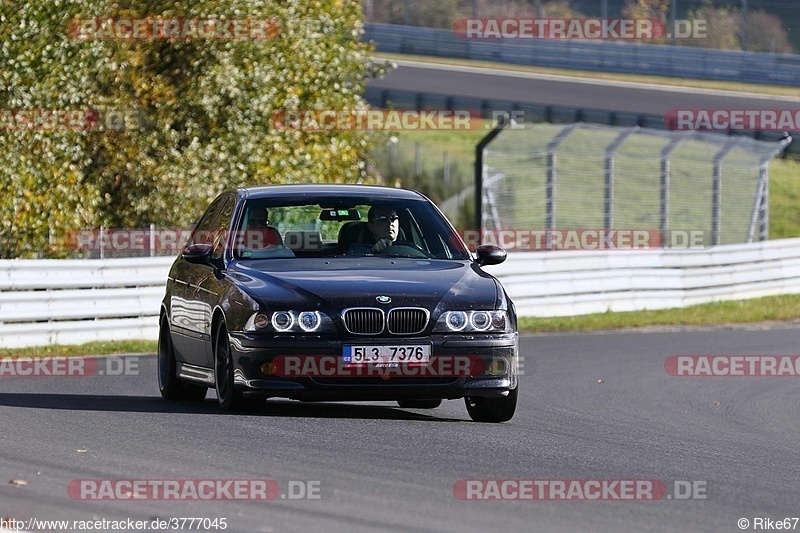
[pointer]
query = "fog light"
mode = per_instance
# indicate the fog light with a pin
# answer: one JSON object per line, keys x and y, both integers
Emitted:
{"x": 498, "y": 366}
{"x": 268, "y": 369}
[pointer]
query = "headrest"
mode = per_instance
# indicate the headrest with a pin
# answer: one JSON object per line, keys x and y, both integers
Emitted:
{"x": 259, "y": 238}
{"x": 350, "y": 233}
{"x": 303, "y": 240}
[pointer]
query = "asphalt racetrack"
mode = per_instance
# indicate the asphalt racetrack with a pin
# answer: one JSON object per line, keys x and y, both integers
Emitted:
{"x": 592, "y": 407}
{"x": 637, "y": 98}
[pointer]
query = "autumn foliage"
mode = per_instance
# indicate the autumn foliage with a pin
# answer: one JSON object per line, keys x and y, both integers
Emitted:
{"x": 167, "y": 123}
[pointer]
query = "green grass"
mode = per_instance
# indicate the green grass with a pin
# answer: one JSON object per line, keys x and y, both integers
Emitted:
{"x": 784, "y": 199}
{"x": 771, "y": 308}
{"x": 776, "y": 90}
{"x": 92, "y": 348}
{"x": 459, "y": 144}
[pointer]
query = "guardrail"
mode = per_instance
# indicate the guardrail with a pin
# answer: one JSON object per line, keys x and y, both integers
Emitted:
{"x": 75, "y": 301}
{"x": 580, "y": 282}
{"x": 607, "y": 56}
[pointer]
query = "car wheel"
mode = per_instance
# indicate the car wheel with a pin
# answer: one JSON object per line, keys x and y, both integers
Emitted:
{"x": 419, "y": 404}
{"x": 229, "y": 398}
{"x": 501, "y": 409}
{"x": 171, "y": 387}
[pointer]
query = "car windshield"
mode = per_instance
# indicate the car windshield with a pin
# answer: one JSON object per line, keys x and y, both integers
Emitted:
{"x": 322, "y": 227}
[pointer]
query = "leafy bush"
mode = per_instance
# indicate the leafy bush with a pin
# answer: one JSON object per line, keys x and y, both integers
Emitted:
{"x": 202, "y": 112}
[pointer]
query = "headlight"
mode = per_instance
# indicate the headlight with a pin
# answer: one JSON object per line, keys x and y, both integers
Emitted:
{"x": 494, "y": 321}
{"x": 456, "y": 320}
{"x": 309, "y": 321}
{"x": 290, "y": 321}
{"x": 282, "y": 321}
{"x": 480, "y": 321}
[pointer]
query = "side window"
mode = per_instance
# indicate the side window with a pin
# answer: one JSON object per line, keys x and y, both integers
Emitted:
{"x": 221, "y": 228}
{"x": 203, "y": 233}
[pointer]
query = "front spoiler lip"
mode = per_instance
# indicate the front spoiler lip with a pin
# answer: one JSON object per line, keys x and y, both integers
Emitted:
{"x": 490, "y": 387}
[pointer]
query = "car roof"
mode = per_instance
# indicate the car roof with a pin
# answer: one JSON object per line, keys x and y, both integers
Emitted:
{"x": 329, "y": 189}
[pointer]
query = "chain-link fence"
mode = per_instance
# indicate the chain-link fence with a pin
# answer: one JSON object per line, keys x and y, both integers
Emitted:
{"x": 412, "y": 164}
{"x": 554, "y": 177}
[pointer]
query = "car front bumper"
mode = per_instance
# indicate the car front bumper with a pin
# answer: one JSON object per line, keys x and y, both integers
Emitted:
{"x": 461, "y": 365}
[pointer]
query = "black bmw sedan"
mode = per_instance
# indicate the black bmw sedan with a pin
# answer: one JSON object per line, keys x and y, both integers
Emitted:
{"x": 336, "y": 293}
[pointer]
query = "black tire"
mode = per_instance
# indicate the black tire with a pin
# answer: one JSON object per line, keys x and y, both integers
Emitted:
{"x": 493, "y": 409}
{"x": 419, "y": 404}
{"x": 230, "y": 399}
{"x": 171, "y": 387}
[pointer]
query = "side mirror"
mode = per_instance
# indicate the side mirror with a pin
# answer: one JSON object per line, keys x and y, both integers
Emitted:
{"x": 490, "y": 255}
{"x": 198, "y": 254}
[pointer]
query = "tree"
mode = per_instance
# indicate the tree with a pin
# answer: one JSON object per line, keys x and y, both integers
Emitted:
{"x": 648, "y": 9}
{"x": 766, "y": 33}
{"x": 723, "y": 28}
{"x": 200, "y": 112}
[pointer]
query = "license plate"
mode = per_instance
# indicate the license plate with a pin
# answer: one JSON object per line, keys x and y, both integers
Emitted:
{"x": 401, "y": 353}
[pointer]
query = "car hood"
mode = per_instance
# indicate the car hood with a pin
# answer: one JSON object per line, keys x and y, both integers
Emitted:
{"x": 338, "y": 283}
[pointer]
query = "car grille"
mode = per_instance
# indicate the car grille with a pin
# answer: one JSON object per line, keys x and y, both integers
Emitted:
{"x": 364, "y": 321}
{"x": 370, "y": 321}
{"x": 407, "y": 320}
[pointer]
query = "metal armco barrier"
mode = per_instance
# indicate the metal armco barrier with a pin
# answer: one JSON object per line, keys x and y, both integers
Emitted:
{"x": 606, "y": 56}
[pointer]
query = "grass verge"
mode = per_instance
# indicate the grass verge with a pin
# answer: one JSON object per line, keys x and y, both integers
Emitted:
{"x": 92, "y": 348}
{"x": 782, "y": 308}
